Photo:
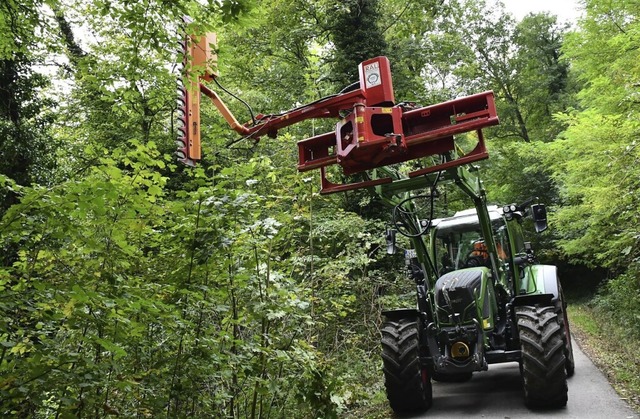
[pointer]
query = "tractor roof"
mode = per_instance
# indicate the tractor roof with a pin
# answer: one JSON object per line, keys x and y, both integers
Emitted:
{"x": 466, "y": 219}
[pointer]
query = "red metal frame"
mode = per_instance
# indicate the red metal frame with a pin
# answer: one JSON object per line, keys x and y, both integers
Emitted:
{"x": 376, "y": 132}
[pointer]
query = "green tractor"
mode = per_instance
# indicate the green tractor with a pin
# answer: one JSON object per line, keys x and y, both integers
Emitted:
{"x": 481, "y": 298}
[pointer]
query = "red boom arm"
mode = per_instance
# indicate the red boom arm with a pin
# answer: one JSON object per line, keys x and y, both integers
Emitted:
{"x": 376, "y": 132}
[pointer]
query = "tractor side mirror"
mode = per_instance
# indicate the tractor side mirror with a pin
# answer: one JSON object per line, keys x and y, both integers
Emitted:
{"x": 539, "y": 217}
{"x": 390, "y": 237}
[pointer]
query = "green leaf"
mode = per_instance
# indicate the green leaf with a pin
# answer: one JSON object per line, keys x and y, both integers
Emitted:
{"x": 117, "y": 351}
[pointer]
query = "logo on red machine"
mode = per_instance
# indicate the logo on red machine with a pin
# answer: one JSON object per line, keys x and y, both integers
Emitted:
{"x": 372, "y": 74}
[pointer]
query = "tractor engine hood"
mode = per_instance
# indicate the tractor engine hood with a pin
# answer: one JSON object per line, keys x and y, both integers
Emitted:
{"x": 463, "y": 296}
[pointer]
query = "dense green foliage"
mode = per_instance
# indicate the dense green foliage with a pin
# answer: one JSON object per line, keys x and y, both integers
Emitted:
{"x": 130, "y": 285}
{"x": 595, "y": 160}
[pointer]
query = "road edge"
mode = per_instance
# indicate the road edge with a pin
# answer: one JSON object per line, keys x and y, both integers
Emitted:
{"x": 589, "y": 343}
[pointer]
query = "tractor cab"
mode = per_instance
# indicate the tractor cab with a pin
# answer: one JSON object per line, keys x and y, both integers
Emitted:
{"x": 458, "y": 243}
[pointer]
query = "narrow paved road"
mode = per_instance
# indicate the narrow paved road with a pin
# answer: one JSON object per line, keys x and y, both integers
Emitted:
{"x": 497, "y": 393}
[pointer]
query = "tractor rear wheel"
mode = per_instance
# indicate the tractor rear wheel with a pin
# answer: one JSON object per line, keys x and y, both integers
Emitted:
{"x": 570, "y": 364}
{"x": 543, "y": 357}
{"x": 407, "y": 382}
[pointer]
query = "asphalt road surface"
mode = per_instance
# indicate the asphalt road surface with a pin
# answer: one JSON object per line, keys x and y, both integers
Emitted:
{"x": 497, "y": 393}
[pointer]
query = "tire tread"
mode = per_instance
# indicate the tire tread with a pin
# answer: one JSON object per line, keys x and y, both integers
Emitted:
{"x": 406, "y": 390}
{"x": 543, "y": 357}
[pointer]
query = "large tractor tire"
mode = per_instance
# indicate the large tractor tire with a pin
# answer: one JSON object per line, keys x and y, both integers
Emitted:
{"x": 570, "y": 365}
{"x": 407, "y": 382}
{"x": 543, "y": 357}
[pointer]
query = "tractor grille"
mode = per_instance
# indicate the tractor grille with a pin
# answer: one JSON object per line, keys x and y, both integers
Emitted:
{"x": 456, "y": 293}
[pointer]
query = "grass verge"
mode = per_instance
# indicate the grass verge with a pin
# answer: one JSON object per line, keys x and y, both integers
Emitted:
{"x": 609, "y": 347}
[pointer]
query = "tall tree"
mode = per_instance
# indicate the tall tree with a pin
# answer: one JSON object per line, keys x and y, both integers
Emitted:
{"x": 356, "y": 35}
{"x": 477, "y": 46}
{"x": 595, "y": 163}
{"x": 27, "y": 149}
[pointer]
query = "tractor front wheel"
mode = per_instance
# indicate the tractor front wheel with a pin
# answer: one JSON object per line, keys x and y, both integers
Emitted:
{"x": 543, "y": 357}
{"x": 407, "y": 382}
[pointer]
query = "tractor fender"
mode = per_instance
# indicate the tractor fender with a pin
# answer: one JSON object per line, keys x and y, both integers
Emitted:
{"x": 547, "y": 279}
{"x": 547, "y": 286}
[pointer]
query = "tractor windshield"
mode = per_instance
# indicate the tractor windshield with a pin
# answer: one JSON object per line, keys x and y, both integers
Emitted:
{"x": 459, "y": 243}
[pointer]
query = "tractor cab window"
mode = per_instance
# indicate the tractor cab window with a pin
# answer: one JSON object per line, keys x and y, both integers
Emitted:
{"x": 461, "y": 245}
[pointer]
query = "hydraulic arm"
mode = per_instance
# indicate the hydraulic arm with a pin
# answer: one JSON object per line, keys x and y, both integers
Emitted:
{"x": 372, "y": 130}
